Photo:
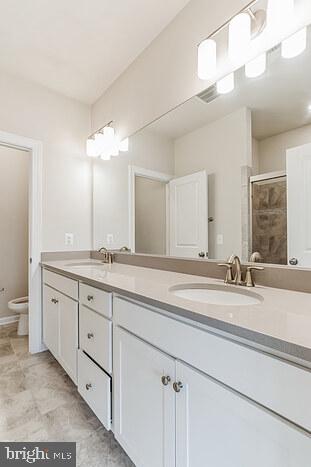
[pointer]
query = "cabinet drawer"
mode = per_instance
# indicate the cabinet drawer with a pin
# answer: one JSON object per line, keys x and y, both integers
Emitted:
{"x": 272, "y": 382}
{"x": 95, "y": 388}
{"x": 96, "y": 337}
{"x": 97, "y": 299}
{"x": 63, "y": 284}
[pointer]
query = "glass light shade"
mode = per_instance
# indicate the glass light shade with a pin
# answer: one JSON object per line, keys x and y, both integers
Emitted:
{"x": 207, "y": 59}
{"x": 226, "y": 84}
{"x": 109, "y": 136}
{"x": 295, "y": 44}
{"x": 91, "y": 148}
{"x": 279, "y": 15}
{"x": 239, "y": 37}
{"x": 105, "y": 157}
{"x": 99, "y": 143}
{"x": 256, "y": 67}
{"x": 124, "y": 145}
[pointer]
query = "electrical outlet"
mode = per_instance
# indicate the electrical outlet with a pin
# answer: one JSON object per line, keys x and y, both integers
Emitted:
{"x": 109, "y": 239}
{"x": 68, "y": 239}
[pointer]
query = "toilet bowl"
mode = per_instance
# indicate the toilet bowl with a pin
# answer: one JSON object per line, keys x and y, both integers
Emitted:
{"x": 20, "y": 305}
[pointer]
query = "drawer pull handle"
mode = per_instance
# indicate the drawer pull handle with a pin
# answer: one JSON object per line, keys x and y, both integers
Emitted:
{"x": 88, "y": 386}
{"x": 90, "y": 298}
{"x": 166, "y": 380}
{"x": 54, "y": 300}
{"x": 90, "y": 335}
{"x": 178, "y": 386}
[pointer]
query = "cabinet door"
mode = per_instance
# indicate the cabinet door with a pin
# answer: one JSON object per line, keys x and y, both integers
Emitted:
{"x": 217, "y": 427}
{"x": 144, "y": 407}
{"x": 68, "y": 335}
{"x": 50, "y": 319}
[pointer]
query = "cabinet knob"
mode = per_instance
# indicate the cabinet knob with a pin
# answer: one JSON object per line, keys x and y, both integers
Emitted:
{"x": 90, "y": 298}
{"x": 178, "y": 386}
{"x": 90, "y": 335}
{"x": 293, "y": 261}
{"x": 88, "y": 386}
{"x": 54, "y": 300}
{"x": 166, "y": 380}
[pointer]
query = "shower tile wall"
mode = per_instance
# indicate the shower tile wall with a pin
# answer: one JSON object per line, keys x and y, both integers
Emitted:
{"x": 269, "y": 220}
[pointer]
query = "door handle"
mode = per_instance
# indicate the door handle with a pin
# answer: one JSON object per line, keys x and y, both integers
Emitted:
{"x": 166, "y": 380}
{"x": 178, "y": 386}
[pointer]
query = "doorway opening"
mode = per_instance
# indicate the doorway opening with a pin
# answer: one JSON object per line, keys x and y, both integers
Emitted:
{"x": 24, "y": 237}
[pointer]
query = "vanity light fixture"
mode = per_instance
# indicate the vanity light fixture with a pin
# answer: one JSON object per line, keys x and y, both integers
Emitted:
{"x": 239, "y": 37}
{"x": 256, "y": 67}
{"x": 295, "y": 44}
{"x": 226, "y": 84}
{"x": 104, "y": 143}
{"x": 207, "y": 59}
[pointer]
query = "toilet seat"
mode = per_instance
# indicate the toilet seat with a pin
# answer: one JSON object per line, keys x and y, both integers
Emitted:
{"x": 19, "y": 305}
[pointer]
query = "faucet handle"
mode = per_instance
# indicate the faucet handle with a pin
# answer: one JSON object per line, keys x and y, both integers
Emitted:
{"x": 249, "y": 281}
{"x": 229, "y": 274}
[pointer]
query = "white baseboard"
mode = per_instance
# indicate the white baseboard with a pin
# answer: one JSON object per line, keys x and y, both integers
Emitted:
{"x": 8, "y": 319}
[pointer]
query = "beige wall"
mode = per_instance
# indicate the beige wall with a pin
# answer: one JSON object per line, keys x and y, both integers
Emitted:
{"x": 150, "y": 216}
{"x": 14, "y": 167}
{"x": 221, "y": 148}
{"x": 111, "y": 188}
{"x": 62, "y": 124}
{"x": 272, "y": 151}
{"x": 165, "y": 74}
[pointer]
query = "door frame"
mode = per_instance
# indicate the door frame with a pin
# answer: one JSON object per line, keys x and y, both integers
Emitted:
{"x": 35, "y": 148}
{"x": 133, "y": 172}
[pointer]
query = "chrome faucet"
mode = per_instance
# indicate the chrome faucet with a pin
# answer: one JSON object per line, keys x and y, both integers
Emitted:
{"x": 237, "y": 279}
{"x": 108, "y": 256}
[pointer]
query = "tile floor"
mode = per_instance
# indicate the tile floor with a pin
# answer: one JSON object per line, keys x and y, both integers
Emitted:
{"x": 39, "y": 402}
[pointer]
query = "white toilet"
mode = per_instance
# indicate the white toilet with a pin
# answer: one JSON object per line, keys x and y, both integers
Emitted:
{"x": 20, "y": 305}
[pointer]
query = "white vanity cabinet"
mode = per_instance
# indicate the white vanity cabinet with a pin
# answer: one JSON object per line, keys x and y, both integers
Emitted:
{"x": 144, "y": 407}
{"x": 214, "y": 424}
{"x": 60, "y": 321}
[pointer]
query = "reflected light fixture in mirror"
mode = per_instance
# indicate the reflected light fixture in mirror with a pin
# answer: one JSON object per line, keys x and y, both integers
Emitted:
{"x": 91, "y": 147}
{"x": 104, "y": 144}
{"x": 226, "y": 84}
{"x": 295, "y": 44}
{"x": 239, "y": 37}
{"x": 256, "y": 67}
{"x": 207, "y": 59}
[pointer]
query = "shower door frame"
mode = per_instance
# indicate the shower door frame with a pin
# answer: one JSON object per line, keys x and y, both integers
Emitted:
{"x": 35, "y": 148}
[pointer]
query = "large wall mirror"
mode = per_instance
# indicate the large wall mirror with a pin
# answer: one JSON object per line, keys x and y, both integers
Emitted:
{"x": 220, "y": 174}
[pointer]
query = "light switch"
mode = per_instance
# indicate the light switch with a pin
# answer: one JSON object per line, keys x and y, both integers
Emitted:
{"x": 68, "y": 239}
{"x": 109, "y": 239}
{"x": 220, "y": 239}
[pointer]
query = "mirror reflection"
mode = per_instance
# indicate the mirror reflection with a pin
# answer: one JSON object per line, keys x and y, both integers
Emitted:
{"x": 220, "y": 174}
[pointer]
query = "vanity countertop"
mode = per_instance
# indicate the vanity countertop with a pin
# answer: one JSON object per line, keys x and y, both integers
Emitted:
{"x": 281, "y": 322}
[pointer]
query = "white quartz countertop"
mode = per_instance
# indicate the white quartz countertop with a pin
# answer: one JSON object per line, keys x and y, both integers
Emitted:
{"x": 282, "y": 320}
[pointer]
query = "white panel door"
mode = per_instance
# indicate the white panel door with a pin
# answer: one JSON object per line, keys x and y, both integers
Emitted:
{"x": 68, "y": 335}
{"x": 51, "y": 319}
{"x": 299, "y": 205}
{"x": 144, "y": 407}
{"x": 216, "y": 427}
{"x": 188, "y": 215}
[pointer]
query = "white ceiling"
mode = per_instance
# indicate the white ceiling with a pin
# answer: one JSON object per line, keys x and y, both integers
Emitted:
{"x": 78, "y": 48}
{"x": 279, "y": 100}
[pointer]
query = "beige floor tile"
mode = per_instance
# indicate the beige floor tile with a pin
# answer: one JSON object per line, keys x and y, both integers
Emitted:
{"x": 16, "y": 411}
{"x": 12, "y": 383}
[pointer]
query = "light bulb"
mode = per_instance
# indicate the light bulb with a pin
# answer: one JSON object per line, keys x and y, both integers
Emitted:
{"x": 256, "y": 67}
{"x": 279, "y": 16}
{"x": 99, "y": 143}
{"x": 295, "y": 44}
{"x": 207, "y": 59}
{"x": 91, "y": 148}
{"x": 239, "y": 37}
{"x": 124, "y": 145}
{"x": 226, "y": 84}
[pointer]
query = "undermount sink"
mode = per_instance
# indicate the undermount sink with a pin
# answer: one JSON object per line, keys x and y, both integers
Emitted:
{"x": 85, "y": 264}
{"x": 216, "y": 294}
